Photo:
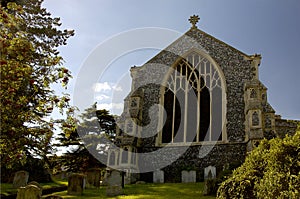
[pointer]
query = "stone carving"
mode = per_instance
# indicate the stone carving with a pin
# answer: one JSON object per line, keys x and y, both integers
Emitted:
{"x": 20, "y": 179}
{"x": 188, "y": 176}
{"x": 210, "y": 172}
{"x": 29, "y": 192}
{"x": 76, "y": 184}
{"x": 114, "y": 184}
{"x": 93, "y": 177}
{"x": 134, "y": 103}
{"x": 194, "y": 20}
{"x": 158, "y": 176}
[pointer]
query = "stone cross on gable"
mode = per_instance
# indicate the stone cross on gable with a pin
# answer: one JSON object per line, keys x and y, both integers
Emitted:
{"x": 194, "y": 20}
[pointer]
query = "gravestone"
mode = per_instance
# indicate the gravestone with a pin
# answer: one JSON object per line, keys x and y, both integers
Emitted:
{"x": 188, "y": 176}
{"x": 140, "y": 182}
{"x": 104, "y": 179}
{"x": 36, "y": 184}
{"x": 76, "y": 184}
{"x": 54, "y": 197}
{"x": 210, "y": 183}
{"x": 114, "y": 184}
{"x": 20, "y": 179}
{"x": 93, "y": 178}
{"x": 29, "y": 192}
{"x": 210, "y": 172}
{"x": 158, "y": 176}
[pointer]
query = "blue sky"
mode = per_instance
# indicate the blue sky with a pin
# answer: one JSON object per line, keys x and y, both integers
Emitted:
{"x": 266, "y": 27}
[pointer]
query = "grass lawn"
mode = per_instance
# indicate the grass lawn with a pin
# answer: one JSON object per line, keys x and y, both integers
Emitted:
{"x": 7, "y": 188}
{"x": 148, "y": 191}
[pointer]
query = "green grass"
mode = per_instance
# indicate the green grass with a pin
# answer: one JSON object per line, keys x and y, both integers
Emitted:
{"x": 55, "y": 183}
{"x": 148, "y": 191}
{"x": 7, "y": 188}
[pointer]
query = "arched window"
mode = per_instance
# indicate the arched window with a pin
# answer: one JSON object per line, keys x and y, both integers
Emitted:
{"x": 133, "y": 156}
{"x": 193, "y": 99}
{"x": 255, "y": 119}
{"x": 124, "y": 155}
{"x": 112, "y": 158}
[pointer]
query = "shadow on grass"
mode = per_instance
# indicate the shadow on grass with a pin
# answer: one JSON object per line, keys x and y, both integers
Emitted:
{"x": 148, "y": 191}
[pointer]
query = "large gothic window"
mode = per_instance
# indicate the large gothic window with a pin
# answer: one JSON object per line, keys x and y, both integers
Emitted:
{"x": 193, "y": 101}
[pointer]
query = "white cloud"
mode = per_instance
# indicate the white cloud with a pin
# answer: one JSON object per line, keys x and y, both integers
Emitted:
{"x": 102, "y": 97}
{"x": 104, "y": 86}
{"x": 110, "y": 106}
{"x": 117, "y": 88}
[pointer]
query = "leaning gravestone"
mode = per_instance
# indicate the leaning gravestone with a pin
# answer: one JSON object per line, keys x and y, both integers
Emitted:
{"x": 188, "y": 176}
{"x": 29, "y": 192}
{"x": 210, "y": 172}
{"x": 114, "y": 184}
{"x": 158, "y": 176}
{"x": 93, "y": 177}
{"x": 20, "y": 179}
{"x": 76, "y": 184}
{"x": 210, "y": 186}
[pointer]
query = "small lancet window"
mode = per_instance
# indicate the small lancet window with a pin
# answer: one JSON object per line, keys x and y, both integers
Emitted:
{"x": 255, "y": 119}
{"x": 253, "y": 93}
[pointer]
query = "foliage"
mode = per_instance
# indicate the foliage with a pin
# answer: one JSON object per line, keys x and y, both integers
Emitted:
{"x": 35, "y": 167}
{"x": 272, "y": 170}
{"x": 89, "y": 141}
{"x": 30, "y": 64}
{"x": 211, "y": 186}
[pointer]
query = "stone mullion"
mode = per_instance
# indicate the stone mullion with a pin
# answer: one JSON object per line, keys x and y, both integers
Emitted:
{"x": 210, "y": 102}
{"x": 198, "y": 109}
{"x": 160, "y": 122}
{"x": 109, "y": 157}
{"x": 129, "y": 154}
{"x": 185, "y": 103}
{"x": 174, "y": 103}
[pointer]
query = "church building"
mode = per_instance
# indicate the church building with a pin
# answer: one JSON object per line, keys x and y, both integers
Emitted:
{"x": 196, "y": 107}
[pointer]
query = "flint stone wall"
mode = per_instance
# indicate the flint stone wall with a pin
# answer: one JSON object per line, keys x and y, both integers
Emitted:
{"x": 149, "y": 78}
{"x": 285, "y": 127}
{"x": 236, "y": 69}
{"x": 220, "y": 155}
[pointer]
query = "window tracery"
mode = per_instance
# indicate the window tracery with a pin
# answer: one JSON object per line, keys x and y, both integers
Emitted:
{"x": 193, "y": 99}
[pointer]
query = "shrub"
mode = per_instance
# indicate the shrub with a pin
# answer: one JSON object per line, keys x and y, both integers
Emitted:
{"x": 272, "y": 170}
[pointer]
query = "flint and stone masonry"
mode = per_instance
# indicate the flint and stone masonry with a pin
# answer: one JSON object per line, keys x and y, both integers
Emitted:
{"x": 230, "y": 113}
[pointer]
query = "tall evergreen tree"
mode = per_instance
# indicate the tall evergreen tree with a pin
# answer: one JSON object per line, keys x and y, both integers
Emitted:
{"x": 89, "y": 142}
{"x": 30, "y": 64}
